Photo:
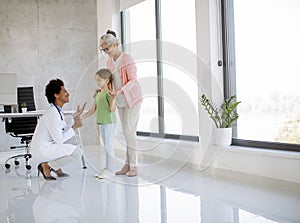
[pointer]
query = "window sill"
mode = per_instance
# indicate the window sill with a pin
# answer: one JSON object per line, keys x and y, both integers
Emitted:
{"x": 167, "y": 141}
{"x": 262, "y": 152}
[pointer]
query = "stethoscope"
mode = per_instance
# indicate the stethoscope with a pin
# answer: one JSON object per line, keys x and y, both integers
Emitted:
{"x": 61, "y": 118}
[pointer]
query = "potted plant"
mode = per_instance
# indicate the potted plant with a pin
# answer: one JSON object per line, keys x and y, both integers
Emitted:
{"x": 24, "y": 107}
{"x": 223, "y": 117}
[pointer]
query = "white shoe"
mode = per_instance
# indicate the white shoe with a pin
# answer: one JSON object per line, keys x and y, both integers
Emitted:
{"x": 98, "y": 176}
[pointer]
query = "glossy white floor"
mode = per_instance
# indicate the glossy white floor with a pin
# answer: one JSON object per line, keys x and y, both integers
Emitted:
{"x": 164, "y": 192}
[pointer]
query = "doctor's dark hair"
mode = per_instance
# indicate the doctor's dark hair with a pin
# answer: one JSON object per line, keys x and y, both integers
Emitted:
{"x": 53, "y": 87}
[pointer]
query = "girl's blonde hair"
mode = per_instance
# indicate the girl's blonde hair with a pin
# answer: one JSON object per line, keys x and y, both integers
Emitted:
{"x": 105, "y": 74}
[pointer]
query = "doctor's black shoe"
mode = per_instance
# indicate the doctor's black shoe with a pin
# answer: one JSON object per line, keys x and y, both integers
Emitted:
{"x": 40, "y": 170}
{"x": 59, "y": 173}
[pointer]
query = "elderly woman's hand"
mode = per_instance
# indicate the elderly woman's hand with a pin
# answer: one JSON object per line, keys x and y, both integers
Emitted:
{"x": 114, "y": 94}
{"x": 96, "y": 92}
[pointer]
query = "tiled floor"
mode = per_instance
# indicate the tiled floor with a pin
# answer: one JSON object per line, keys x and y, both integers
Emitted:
{"x": 163, "y": 192}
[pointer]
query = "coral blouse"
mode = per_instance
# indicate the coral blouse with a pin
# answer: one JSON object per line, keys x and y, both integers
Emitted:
{"x": 127, "y": 71}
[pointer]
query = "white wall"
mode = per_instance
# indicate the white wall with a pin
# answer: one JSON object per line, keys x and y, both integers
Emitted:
{"x": 42, "y": 40}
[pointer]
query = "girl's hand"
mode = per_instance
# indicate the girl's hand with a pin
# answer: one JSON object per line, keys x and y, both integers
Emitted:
{"x": 112, "y": 102}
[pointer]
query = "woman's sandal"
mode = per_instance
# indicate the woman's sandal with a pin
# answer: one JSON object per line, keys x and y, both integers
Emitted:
{"x": 132, "y": 172}
{"x": 125, "y": 169}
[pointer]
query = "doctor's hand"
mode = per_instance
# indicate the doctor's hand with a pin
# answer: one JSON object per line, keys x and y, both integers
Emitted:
{"x": 79, "y": 111}
{"x": 77, "y": 117}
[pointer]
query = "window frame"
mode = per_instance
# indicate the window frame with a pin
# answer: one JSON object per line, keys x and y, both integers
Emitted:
{"x": 229, "y": 76}
{"x": 160, "y": 98}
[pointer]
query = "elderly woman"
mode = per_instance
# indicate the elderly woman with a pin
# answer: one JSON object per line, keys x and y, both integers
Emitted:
{"x": 129, "y": 96}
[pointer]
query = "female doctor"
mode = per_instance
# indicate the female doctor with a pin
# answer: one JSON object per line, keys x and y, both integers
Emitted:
{"x": 47, "y": 145}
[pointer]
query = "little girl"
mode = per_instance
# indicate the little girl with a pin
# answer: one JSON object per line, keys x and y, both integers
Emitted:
{"x": 105, "y": 106}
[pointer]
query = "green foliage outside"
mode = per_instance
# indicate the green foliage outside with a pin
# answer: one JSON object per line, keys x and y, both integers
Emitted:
{"x": 290, "y": 132}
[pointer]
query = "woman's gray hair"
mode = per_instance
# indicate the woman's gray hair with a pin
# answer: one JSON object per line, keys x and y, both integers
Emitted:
{"x": 109, "y": 39}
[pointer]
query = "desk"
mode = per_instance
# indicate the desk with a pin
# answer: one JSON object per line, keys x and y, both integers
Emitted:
{"x": 28, "y": 114}
{"x": 22, "y": 115}
{"x": 37, "y": 114}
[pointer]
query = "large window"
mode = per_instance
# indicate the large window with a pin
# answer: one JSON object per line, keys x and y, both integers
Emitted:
{"x": 138, "y": 31}
{"x": 161, "y": 41}
{"x": 178, "y": 26}
{"x": 263, "y": 38}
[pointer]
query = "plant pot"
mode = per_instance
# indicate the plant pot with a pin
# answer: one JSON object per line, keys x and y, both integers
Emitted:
{"x": 222, "y": 136}
{"x": 24, "y": 110}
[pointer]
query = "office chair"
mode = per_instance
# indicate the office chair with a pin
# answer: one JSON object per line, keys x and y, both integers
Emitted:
{"x": 22, "y": 127}
{"x": 25, "y": 94}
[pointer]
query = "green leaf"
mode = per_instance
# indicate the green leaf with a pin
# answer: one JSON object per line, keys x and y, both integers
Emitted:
{"x": 224, "y": 116}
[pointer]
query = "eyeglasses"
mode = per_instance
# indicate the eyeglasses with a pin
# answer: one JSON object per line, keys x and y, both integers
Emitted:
{"x": 105, "y": 49}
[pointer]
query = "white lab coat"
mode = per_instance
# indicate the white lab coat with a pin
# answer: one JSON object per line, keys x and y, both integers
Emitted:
{"x": 49, "y": 137}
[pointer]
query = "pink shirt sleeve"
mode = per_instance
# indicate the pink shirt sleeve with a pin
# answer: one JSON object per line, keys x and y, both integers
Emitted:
{"x": 128, "y": 74}
{"x": 131, "y": 87}
{"x": 129, "y": 67}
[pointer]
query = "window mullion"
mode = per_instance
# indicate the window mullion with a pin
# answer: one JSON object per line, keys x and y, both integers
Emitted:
{"x": 159, "y": 67}
{"x": 229, "y": 75}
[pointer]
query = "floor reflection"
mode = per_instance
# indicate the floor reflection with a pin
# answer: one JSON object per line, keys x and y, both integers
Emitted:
{"x": 57, "y": 202}
{"x": 187, "y": 196}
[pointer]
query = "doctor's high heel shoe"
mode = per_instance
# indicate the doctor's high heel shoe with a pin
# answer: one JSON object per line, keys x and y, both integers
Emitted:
{"x": 59, "y": 172}
{"x": 41, "y": 170}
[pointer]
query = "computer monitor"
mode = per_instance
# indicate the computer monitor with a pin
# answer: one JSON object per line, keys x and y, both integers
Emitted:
{"x": 8, "y": 88}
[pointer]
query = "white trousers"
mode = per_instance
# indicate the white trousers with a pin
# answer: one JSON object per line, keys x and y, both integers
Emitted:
{"x": 60, "y": 162}
{"x": 129, "y": 119}
{"x": 107, "y": 135}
